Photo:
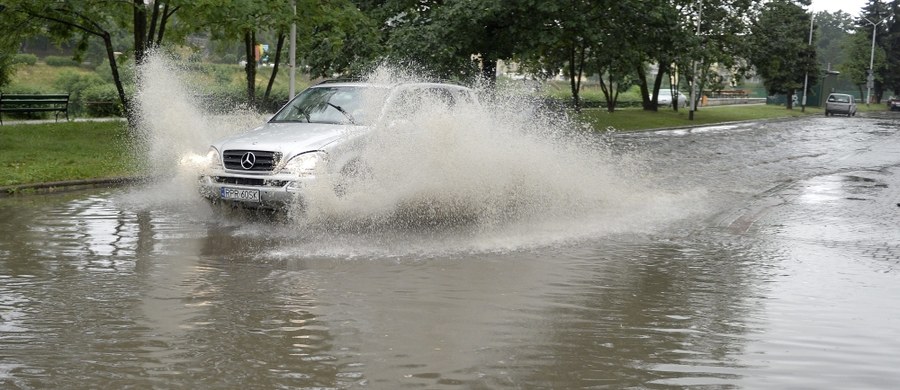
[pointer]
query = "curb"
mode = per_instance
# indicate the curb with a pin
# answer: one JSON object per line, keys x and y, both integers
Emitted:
{"x": 66, "y": 186}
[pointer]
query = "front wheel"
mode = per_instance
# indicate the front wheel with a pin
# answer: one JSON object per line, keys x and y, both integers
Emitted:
{"x": 350, "y": 174}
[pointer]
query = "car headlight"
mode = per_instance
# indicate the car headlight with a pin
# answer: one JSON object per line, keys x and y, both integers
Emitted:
{"x": 210, "y": 161}
{"x": 305, "y": 164}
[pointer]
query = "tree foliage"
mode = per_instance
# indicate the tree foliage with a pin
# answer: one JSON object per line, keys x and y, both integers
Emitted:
{"x": 780, "y": 49}
{"x": 619, "y": 43}
{"x": 878, "y": 18}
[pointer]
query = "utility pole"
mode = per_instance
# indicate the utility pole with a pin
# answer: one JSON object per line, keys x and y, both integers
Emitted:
{"x": 806, "y": 76}
{"x": 694, "y": 67}
{"x": 870, "y": 78}
{"x": 293, "y": 50}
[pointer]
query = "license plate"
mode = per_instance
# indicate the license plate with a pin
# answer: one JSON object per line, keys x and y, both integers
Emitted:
{"x": 241, "y": 195}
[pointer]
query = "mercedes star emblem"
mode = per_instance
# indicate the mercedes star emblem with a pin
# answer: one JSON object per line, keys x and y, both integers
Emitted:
{"x": 248, "y": 160}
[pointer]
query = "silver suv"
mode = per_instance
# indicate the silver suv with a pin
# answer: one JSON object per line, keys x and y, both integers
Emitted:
{"x": 318, "y": 133}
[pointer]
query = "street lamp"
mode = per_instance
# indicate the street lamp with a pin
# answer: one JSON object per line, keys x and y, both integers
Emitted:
{"x": 293, "y": 49}
{"x": 806, "y": 76}
{"x": 694, "y": 66}
{"x": 870, "y": 79}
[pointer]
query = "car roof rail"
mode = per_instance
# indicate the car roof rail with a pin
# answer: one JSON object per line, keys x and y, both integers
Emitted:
{"x": 340, "y": 80}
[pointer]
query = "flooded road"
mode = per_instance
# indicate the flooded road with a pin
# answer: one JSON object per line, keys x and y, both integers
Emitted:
{"x": 777, "y": 265}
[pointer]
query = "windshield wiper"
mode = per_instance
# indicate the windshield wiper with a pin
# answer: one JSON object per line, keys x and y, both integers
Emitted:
{"x": 346, "y": 114}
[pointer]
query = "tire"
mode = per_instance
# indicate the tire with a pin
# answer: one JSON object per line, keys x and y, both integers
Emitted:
{"x": 354, "y": 171}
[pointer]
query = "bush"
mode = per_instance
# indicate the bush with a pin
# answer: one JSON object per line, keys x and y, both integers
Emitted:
{"x": 75, "y": 83}
{"x": 24, "y": 58}
{"x": 101, "y": 100}
{"x": 60, "y": 61}
{"x": 126, "y": 68}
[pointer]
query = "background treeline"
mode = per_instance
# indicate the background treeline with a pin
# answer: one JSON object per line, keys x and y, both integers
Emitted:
{"x": 623, "y": 46}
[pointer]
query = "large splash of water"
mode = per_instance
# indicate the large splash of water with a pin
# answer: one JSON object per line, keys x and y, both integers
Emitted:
{"x": 502, "y": 174}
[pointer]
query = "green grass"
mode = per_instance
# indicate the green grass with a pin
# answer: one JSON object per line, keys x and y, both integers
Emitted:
{"x": 41, "y": 77}
{"x": 40, "y": 153}
{"x": 638, "y": 119}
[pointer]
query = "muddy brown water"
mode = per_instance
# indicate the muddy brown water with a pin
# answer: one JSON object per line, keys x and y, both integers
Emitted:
{"x": 786, "y": 277}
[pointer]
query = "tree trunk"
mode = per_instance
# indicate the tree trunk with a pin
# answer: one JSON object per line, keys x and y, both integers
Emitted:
{"x": 162, "y": 25}
{"x": 114, "y": 69}
{"x": 489, "y": 69}
{"x": 154, "y": 20}
{"x": 278, "y": 47}
{"x": 140, "y": 31}
{"x": 610, "y": 91}
{"x": 576, "y": 70}
{"x": 657, "y": 82}
{"x": 250, "y": 67}
{"x": 646, "y": 104}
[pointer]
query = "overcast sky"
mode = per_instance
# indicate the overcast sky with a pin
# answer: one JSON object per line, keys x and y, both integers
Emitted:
{"x": 851, "y": 7}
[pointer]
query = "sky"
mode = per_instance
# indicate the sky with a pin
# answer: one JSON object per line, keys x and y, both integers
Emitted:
{"x": 851, "y": 7}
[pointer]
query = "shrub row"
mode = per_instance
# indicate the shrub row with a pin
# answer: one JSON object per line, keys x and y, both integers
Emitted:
{"x": 26, "y": 59}
{"x": 60, "y": 61}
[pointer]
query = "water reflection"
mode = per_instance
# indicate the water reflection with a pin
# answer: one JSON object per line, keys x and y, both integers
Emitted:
{"x": 777, "y": 289}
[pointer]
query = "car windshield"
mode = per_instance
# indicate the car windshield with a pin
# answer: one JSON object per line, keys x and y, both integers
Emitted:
{"x": 327, "y": 104}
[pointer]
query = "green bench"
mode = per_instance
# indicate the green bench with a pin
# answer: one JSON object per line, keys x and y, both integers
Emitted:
{"x": 58, "y": 103}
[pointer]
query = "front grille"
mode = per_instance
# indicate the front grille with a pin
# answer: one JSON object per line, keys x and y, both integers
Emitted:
{"x": 241, "y": 160}
{"x": 243, "y": 181}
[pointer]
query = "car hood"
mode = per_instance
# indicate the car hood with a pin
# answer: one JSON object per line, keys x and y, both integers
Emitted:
{"x": 287, "y": 138}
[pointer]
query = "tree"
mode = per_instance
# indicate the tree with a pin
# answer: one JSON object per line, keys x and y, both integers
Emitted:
{"x": 833, "y": 29}
{"x": 148, "y": 33}
{"x": 99, "y": 19}
{"x": 15, "y": 27}
{"x": 341, "y": 39}
{"x": 780, "y": 51}
{"x": 332, "y": 35}
{"x": 877, "y": 12}
{"x": 718, "y": 45}
{"x": 858, "y": 48}
{"x": 660, "y": 40}
{"x": 565, "y": 38}
{"x": 459, "y": 38}
{"x": 892, "y": 81}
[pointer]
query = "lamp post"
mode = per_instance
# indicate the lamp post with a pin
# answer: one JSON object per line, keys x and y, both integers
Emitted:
{"x": 870, "y": 78}
{"x": 694, "y": 67}
{"x": 293, "y": 50}
{"x": 806, "y": 76}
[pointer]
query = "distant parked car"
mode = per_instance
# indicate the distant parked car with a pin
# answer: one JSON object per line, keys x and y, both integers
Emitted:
{"x": 665, "y": 98}
{"x": 840, "y": 103}
{"x": 894, "y": 103}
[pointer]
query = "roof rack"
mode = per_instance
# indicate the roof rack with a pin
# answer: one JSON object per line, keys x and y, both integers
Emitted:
{"x": 340, "y": 80}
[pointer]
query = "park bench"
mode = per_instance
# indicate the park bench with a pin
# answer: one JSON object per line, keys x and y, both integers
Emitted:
{"x": 58, "y": 103}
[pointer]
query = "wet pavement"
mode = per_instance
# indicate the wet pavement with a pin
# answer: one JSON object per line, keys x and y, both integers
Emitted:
{"x": 768, "y": 259}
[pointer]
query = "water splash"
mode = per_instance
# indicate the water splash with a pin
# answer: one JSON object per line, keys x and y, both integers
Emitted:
{"x": 174, "y": 130}
{"x": 504, "y": 174}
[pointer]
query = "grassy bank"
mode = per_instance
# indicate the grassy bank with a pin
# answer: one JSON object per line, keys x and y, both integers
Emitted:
{"x": 633, "y": 119}
{"x": 637, "y": 119}
{"x": 41, "y": 153}
{"x": 49, "y": 152}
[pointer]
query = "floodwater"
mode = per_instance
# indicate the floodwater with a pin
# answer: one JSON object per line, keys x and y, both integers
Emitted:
{"x": 766, "y": 256}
